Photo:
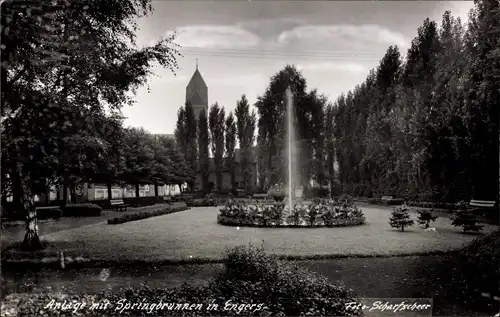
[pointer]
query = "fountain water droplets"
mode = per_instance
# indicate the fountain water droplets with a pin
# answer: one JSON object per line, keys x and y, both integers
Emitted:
{"x": 289, "y": 114}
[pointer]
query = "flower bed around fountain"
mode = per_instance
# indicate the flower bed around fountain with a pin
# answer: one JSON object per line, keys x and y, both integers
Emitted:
{"x": 316, "y": 214}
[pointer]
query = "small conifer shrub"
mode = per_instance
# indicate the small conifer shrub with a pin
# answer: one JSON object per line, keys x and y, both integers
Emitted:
{"x": 400, "y": 218}
{"x": 425, "y": 217}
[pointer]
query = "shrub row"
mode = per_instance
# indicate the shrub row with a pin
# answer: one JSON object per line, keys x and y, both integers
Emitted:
{"x": 392, "y": 202}
{"x": 145, "y": 215}
{"x": 131, "y": 201}
{"x": 52, "y": 213}
{"x": 205, "y": 202}
{"x": 316, "y": 192}
{"x": 252, "y": 283}
{"x": 424, "y": 204}
{"x": 326, "y": 214}
{"x": 56, "y": 212}
{"x": 82, "y": 210}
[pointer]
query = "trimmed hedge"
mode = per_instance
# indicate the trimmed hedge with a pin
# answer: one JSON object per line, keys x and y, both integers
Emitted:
{"x": 52, "y": 213}
{"x": 42, "y": 214}
{"x": 82, "y": 210}
{"x": 318, "y": 214}
{"x": 145, "y": 215}
{"x": 436, "y": 205}
{"x": 252, "y": 283}
{"x": 316, "y": 192}
{"x": 206, "y": 202}
{"x": 395, "y": 201}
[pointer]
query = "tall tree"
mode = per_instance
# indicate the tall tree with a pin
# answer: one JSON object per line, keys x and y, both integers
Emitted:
{"x": 181, "y": 132}
{"x": 64, "y": 57}
{"x": 246, "y": 129}
{"x": 230, "y": 143}
{"x": 204, "y": 159}
{"x": 271, "y": 109}
{"x": 191, "y": 131}
{"x": 483, "y": 95}
{"x": 330, "y": 147}
{"x": 261, "y": 149}
{"x": 216, "y": 124}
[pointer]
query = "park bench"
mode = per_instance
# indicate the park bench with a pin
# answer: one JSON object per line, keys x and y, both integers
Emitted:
{"x": 482, "y": 203}
{"x": 118, "y": 204}
{"x": 481, "y": 206}
{"x": 167, "y": 199}
{"x": 386, "y": 199}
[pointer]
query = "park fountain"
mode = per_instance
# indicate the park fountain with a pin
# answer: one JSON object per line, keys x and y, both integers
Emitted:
{"x": 289, "y": 115}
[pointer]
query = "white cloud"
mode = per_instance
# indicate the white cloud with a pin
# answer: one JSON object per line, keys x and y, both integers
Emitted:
{"x": 270, "y": 28}
{"x": 334, "y": 66}
{"x": 367, "y": 35}
{"x": 215, "y": 36}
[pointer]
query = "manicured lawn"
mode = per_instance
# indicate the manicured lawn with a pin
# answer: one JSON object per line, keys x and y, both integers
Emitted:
{"x": 195, "y": 234}
{"x": 14, "y": 231}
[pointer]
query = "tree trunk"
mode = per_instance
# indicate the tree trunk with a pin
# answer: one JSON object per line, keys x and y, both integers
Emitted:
{"x": 402, "y": 228}
{"x": 156, "y": 189}
{"x": 65, "y": 194}
{"x": 47, "y": 195}
{"x": 110, "y": 192}
{"x": 4, "y": 201}
{"x": 31, "y": 239}
{"x": 16, "y": 192}
{"x": 137, "y": 190}
{"x": 58, "y": 193}
{"x": 72, "y": 191}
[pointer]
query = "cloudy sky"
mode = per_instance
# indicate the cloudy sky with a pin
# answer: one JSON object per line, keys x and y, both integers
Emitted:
{"x": 240, "y": 44}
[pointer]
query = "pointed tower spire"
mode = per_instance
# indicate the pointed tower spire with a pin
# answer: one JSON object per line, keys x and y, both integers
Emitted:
{"x": 196, "y": 64}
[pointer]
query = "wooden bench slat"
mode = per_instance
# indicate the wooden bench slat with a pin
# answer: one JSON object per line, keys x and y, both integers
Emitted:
{"x": 118, "y": 204}
{"x": 482, "y": 203}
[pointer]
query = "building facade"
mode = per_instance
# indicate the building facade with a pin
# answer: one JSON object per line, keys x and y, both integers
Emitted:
{"x": 226, "y": 174}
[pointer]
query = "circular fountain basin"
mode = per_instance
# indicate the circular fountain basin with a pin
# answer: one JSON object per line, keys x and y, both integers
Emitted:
{"x": 262, "y": 215}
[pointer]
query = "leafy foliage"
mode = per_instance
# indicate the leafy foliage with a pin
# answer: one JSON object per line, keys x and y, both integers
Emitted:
{"x": 245, "y": 123}
{"x": 230, "y": 144}
{"x": 66, "y": 68}
{"x": 478, "y": 267}
{"x": 217, "y": 129}
{"x": 203, "y": 143}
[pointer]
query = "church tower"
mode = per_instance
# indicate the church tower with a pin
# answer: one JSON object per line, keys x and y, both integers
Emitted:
{"x": 197, "y": 93}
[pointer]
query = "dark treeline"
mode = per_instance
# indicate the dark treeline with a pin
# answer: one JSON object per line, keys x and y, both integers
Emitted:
{"x": 428, "y": 127}
{"x": 423, "y": 125}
